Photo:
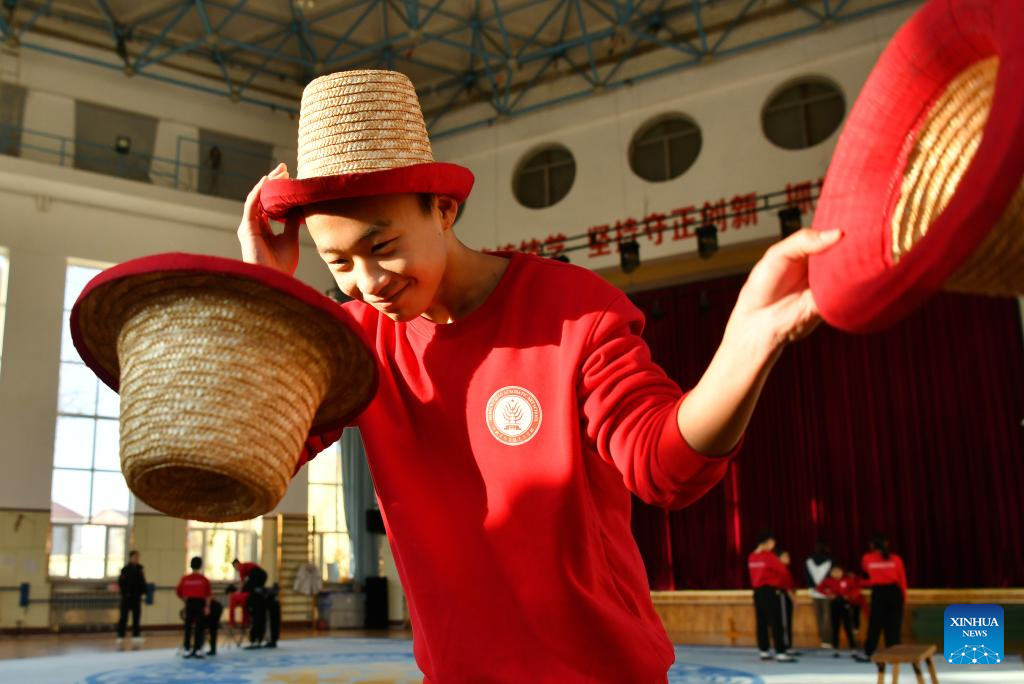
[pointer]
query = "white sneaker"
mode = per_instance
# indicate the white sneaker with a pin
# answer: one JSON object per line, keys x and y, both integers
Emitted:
{"x": 784, "y": 658}
{"x": 765, "y": 655}
{"x": 137, "y": 642}
{"x": 824, "y": 645}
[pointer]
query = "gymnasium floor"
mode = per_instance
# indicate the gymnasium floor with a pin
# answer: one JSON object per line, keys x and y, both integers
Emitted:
{"x": 388, "y": 660}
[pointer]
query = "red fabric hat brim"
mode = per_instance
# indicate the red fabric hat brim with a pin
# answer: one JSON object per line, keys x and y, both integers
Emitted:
{"x": 856, "y": 285}
{"x": 281, "y": 198}
{"x": 231, "y": 268}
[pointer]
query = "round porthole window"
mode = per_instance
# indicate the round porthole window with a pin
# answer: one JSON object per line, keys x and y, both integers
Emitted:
{"x": 803, "y": 114}
{"x": 665, "y": 148}
{"x": 544, "y": 177}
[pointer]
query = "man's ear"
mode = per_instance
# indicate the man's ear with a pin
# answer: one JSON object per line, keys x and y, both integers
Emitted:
{"x": 448, "y": 209}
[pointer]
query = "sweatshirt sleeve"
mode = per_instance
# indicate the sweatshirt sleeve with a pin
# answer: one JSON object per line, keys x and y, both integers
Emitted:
{"x": 178, "y": 589}
{"x": 314, "y": 445}
{"x": 903, "y": 577}
{"x": 629, "y": 410}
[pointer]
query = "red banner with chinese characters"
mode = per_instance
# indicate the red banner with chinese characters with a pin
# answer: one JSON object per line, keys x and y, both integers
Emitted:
{"x": 733, "y": 213}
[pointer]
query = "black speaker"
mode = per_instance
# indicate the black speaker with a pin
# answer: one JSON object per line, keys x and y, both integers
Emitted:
{"x": 376, "y": 589}
{"x": 374, "y": 521}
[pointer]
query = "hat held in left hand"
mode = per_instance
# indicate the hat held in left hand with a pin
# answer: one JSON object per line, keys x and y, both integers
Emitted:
{"x": 224, "y": 370}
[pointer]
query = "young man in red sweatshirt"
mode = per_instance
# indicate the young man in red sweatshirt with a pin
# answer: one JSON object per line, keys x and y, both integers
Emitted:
{"x": 194, "y": 590}
{"x": 843, "y": 590}
{"x": 770, "y": 578}
{"x": 517, "y": 409}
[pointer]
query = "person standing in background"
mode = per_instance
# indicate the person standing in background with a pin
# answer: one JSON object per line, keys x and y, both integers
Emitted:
{"x": 843, "y": 591}
{"x": 818, "y": 567}
{"x": 888, "y": 581}
{"x": 194, "y": 589}
{"x": 767, "y": 575}
{"x": 132, "y": 585}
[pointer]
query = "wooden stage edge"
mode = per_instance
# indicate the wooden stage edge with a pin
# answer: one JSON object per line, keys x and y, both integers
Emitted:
{"x": 914, "y": 596}
{"x": 726, "y": 617}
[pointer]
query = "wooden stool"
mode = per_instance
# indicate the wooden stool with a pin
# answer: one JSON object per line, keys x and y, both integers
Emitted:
{"x": 906, "y": 653}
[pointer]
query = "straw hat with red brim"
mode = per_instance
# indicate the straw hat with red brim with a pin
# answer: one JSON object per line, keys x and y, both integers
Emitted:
{"x": 224, "y": 369}
{"x": 927, "y": 180}
{"x": 362, "y": 133}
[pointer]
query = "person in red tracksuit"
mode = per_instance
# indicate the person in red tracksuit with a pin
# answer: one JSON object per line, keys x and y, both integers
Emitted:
{"x": 194, "y": 590}
{"x": 843, "y": 590}
{"x": 768, "y": 576}
{"x": 888, "y": 581}
{"x": 243, "y": 569}
{"x": 517, "y": 405}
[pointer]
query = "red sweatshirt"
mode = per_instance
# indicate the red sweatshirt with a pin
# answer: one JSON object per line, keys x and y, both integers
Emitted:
{"x": 194, "y": 585}
{"x": 244, "y": 569}
{"x": 766, "y": 570}
{"x": 847, "y": 587}
{"x": 503, "y": 448}
{"x": 885, "y": 570}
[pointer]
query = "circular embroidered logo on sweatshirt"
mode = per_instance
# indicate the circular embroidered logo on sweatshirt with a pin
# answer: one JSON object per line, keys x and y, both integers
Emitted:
{"x": 513, "y": 415}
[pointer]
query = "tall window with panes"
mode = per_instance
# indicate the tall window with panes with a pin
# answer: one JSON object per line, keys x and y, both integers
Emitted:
{"x": 90, "y": 506}
{"x": 332, "y": 546}
{"x": 220, "y": 543}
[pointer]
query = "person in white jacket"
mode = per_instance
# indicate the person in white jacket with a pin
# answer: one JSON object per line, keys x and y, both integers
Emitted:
{"x": 818, "y": 567}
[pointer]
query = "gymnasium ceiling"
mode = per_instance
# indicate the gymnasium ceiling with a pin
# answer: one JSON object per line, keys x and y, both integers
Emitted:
{"x": 473, "y": 62}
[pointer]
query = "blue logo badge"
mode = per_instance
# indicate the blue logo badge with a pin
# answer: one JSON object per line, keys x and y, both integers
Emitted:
{"x": 973, "y": 634}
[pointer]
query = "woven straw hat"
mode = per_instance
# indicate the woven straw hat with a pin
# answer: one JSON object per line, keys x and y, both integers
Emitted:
{"x": 927, "y": 180}
{"x": 362, "y": 133}
{"x": 224, "y": 369}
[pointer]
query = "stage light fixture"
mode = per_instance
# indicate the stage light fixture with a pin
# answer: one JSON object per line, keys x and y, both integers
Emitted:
{"x": 629, "y": 256}
{"x": 790, "y": 221}
{"x": 707, "y": 240}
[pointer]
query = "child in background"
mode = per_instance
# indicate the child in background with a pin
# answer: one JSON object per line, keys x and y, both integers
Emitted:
{"x": 818, "y": 568}
{"x": 194, "y": 590}
{"x": 887, "y": 578}
{"x": 767, "y": 577}
{"x": 844, "y": 593}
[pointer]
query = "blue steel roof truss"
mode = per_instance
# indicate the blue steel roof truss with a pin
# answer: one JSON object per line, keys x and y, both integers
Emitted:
{"x": 459, "y": 54}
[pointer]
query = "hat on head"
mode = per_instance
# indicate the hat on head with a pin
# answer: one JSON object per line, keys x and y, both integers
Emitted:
{"x": 362, "y": 133}
{"x": 927, "y": 180}
{"x": 224, "y": 369}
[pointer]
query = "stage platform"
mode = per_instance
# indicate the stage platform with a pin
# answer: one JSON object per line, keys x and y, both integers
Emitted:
{"x": 342, "y": 660}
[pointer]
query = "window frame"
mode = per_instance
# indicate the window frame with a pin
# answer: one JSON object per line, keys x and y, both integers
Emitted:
{"x": 320, "y": 535}
{"x": 802, "y": 104}
{"x": 529, "y": 164}
{"x": 207, "y": 530}
{"x": 74, "y": 528}
{"x": 666, "y": 141}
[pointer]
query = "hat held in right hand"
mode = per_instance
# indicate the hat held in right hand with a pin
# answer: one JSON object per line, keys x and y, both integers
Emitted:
{"x": 927, "y": 180}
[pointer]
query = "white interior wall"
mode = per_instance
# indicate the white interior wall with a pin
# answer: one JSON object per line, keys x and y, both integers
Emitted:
{"x": 725, "y": 98}
{"x": 47, "y": 216}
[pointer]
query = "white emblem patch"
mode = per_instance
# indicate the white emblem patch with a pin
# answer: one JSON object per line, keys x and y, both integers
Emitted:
{"x": 513, "y": 415}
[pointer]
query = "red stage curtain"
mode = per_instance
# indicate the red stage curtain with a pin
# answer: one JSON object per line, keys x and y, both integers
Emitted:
{"x": 915, "y": 432}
